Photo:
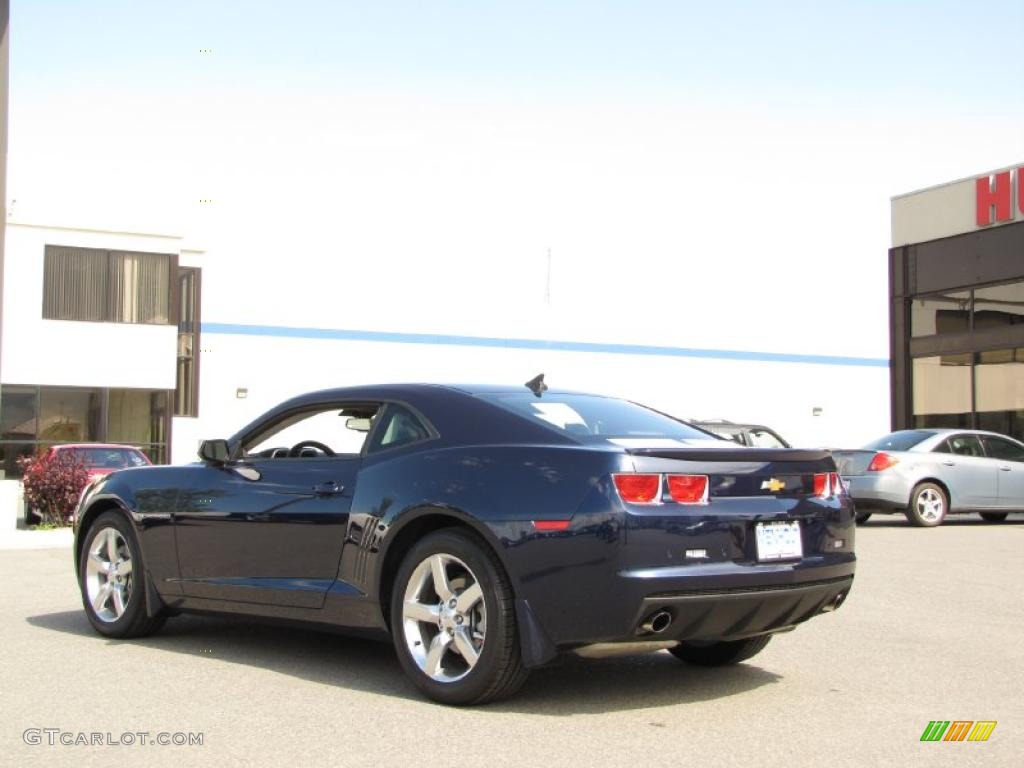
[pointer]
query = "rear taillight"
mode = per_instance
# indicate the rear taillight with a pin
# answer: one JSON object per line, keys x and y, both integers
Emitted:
{"x": 828, "y": 484}
{"x": 688, "y": 489}
{"x": 882, "y": 461}
{"x": 821, "y": 488}
{"x": 639, "y": 489}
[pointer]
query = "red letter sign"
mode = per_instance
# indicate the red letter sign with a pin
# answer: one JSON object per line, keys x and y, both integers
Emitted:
{"x": 1020, "y": 189}
{"x": 998, "y": 196}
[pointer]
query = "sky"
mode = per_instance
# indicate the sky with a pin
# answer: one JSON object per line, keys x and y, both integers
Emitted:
{"x": 702, "y": 174}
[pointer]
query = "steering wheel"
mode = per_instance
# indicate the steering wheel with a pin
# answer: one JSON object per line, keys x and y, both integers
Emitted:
{"x": 296, "y": 450}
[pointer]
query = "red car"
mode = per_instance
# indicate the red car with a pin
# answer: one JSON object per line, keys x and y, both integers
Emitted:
{"x": 99, "y": 459}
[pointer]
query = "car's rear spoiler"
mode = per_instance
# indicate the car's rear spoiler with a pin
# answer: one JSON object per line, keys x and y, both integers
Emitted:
{"x": 733, "y": 454}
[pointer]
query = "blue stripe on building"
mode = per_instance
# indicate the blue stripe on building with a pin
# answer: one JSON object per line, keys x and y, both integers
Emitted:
{"x": 388, "y": 337}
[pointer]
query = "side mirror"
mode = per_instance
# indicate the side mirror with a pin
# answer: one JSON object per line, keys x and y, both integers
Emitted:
{"x": 214, "y": 451}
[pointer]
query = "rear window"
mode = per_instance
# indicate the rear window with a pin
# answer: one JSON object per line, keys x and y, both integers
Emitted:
{"x": 900, "y": 441}
{"x": 109, "y": 458}
{"x": 591, "y": 418}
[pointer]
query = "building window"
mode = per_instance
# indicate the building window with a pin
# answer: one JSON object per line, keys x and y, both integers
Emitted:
{"x": 977, "y": 379}
{"x": 999, "y": 391}
{"x": 940, "y": 313}
{"x": 18, "y": 413}
{"x": 942, "y": 391}
{"x": 980, "y": 390}
{"x": 186, "y": 392}
{"x": 106, "y": 286}
{"x": 69, "y": 415}
{"x": 34, "y": 418}
{"x": 137, "y": 416}
{"x": 999, "y": 306}
{"x": 980, "y": 310}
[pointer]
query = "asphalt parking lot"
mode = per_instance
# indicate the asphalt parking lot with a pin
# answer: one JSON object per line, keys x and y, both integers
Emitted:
{"x": 932, "y": 631}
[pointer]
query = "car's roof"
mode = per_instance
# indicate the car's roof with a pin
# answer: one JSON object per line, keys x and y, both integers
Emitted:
{"x": 951, "y": 431}
{"x": 455, "y": 410}
{"x": 63, "y": 446}
{"x": 730, "y": 424}
{"x": 496, "y": 389}
{"x": 934, "y": 434}
{"x": 397, "y": 390}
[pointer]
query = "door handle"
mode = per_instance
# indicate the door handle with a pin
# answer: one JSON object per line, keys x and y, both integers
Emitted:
{"x": 328, "y": 488}
{"x": 949, "y": 463}
{"x": 1004, "y": 469}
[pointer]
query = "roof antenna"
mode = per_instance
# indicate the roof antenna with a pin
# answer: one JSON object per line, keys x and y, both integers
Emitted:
{"x": 537, "y": 385}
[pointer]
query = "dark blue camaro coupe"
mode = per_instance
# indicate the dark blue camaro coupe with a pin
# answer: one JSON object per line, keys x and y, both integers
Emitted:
{"x": 483, "y": 529}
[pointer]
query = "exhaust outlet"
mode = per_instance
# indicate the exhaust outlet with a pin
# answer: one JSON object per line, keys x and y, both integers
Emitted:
{"x": 656, "y": 623}
{"x": 834, "y": 603}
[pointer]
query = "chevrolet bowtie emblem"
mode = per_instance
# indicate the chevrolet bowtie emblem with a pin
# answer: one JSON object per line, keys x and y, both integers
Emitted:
{"x": 773, "y": 485}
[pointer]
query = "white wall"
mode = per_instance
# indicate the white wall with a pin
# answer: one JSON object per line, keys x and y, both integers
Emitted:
{"x": 58, "y": 352}
{"x": 854, "y": 399}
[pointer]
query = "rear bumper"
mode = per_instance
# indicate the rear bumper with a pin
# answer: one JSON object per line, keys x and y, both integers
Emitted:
{"x": 715, "y": 601}
{"x": 727, "y": 601}
{"x": 720, "y": 601}
{"x": 734, "y": 613}
{"x": 878, "y": 491}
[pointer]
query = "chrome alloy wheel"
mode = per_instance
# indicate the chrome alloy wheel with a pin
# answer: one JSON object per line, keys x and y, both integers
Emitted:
{"x": 444, "y": 619}
{"x": 108, "y": 574}
{"x": 929, "y": 504}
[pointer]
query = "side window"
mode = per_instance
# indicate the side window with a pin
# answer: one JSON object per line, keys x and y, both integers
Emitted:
{"x": 942, "y": 447}
{"x": 315, "y": 433}
{"x": 965, "y": 445}
{"x": 762, "y": 438}
{"x": 736, "y": 437}
{"x": 400, "y": 427}
{"x": 1003, "y": 449}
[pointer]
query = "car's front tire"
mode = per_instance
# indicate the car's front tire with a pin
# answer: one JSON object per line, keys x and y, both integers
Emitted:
{"x": 112, "y": 579}
{"x": 722, "y": 653}
{"x": 453, "y": 620}
{"x": 928, "y": 505}
{"x": 863, "y": 517}
{"x": 993, "y": 517}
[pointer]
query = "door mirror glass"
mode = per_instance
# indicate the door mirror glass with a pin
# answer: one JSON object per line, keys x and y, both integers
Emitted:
{"x": 214, "y": 451}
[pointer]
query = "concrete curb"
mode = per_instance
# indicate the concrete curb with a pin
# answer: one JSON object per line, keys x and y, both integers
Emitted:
{"x": 58, "y": 538}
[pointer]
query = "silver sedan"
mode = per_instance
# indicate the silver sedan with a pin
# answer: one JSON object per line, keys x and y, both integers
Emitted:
{"x": 929, "y": 473}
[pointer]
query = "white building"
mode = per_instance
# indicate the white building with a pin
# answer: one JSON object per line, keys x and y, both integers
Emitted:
{"x": 102, "y": 341}
{"x": 956, "y": 294}
{"x": 98, "y": 336}
{"x": 109, "y": 336}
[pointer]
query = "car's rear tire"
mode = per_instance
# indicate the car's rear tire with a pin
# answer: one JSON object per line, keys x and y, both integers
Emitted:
{"x": 720, "y": 654}
{"x": 929, "y": 505}
{"x": 453, "y": 620}
{"x": 112, "y": 579}
{"x": 863, "y": 517}
{"x": 993, "y": 517}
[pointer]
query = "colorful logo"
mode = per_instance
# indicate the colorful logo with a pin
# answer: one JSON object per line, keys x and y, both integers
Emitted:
{"x": 958, "y": 730}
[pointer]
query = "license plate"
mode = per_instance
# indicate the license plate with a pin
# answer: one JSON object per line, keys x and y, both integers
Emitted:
{"x": 779, "y": 541}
